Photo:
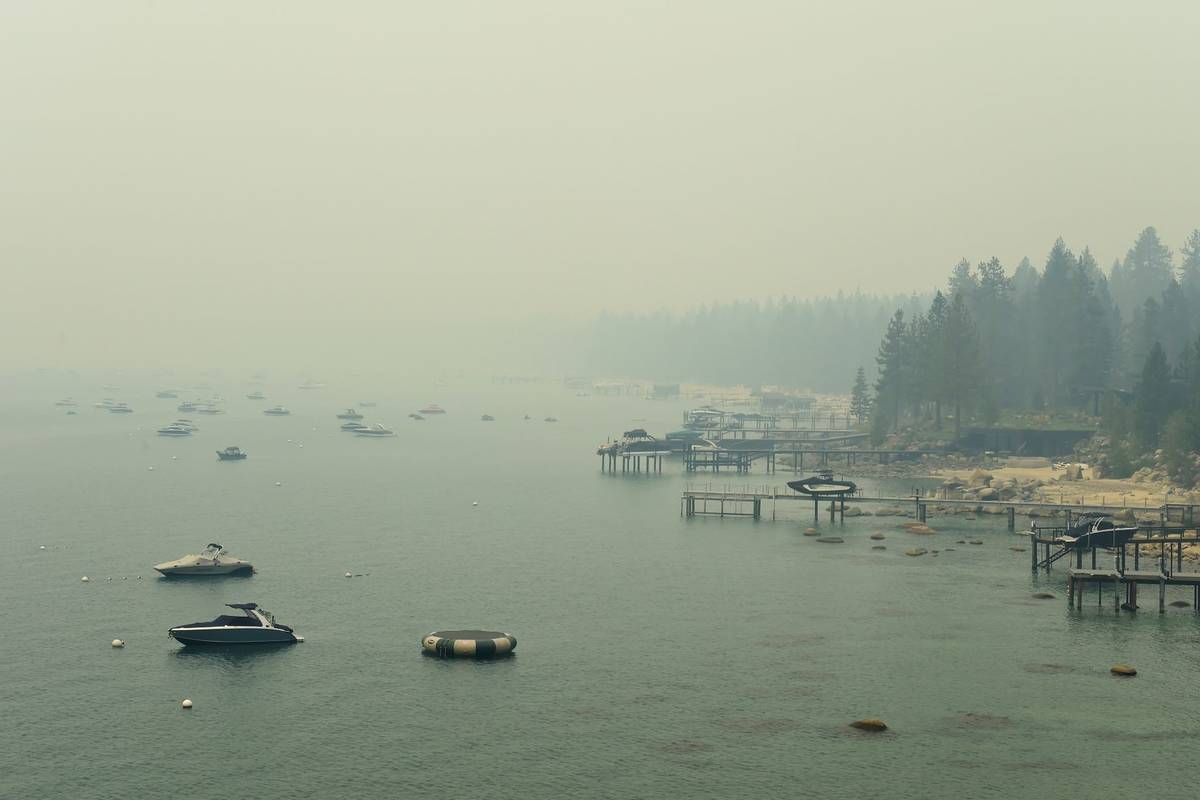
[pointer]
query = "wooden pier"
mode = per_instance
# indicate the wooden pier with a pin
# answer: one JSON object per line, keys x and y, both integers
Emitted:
{"x": 636, "y": 461}
{"x": 742, "y": 459}
{"x": 728, "y": 502}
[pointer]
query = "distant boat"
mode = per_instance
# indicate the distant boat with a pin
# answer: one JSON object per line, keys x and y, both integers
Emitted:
{"x": 349, "y": 413}
{"x": 208, "y": 408}
{"x": 417, "y": 417}
{"x": 186, "y": 406}
{"x": 550, "y": 419}
{"x": 366, "y": 403}
{"x": 487, "y": 418}
{"x": 166, "y": 394}
{"x": 107, "y": 402}
{"x": 70, "y": 413}
{"x": 276, "y": 411}
{"x": 258, "y": 626}
{"x": 213, "y": 560}
{"x": 256, "y": 396}
{"x": 311, "y": 385}
{"x": 431, "y": 408}
{"x": 174, "y": 430}
{"x": 120, "y": 408}
{"x": 66, "y": 401}
{"x": 354, "y": 426}
{"x": 231, "y": 454}
{"x": 185, "y": 423}
{"x": 377, "y": 431}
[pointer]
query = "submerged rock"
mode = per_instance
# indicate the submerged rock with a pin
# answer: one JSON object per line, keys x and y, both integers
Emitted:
{"x": 1179, "y": 603}
{"x": 1123, "y": 670}
{"x": 1042, "y": 596}
{"x": 810, "y": 531}
{"x": 916, "y": 551}
{"x": 918, "y": 527}
{"x": 879, "y": 547}
{"x": 831, "y": 539}
{"x": 877, "y": 536}
{"x": 871, "y": 724}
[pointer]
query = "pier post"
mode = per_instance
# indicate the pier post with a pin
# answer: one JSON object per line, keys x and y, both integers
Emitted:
{"x": 1162, "y": 596}
{"x": 1070, "y": 591}
{"x": 1033, "y": 554}
{"x": 1012, "y": 519}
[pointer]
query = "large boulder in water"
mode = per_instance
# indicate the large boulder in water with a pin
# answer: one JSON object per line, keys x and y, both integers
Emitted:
{"x": 871, "y": 724}
{"x": 980, "y": 478}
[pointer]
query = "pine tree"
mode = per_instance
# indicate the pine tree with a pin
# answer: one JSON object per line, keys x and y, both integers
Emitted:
{"x": 891, "y": 360}
{"x": 1153, "y": 398}
{"x": 860, "y": 397}
{"x": 960, "y": 359}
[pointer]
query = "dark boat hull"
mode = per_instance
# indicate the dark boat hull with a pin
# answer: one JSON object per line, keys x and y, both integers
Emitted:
{"x": 823, "y": 487}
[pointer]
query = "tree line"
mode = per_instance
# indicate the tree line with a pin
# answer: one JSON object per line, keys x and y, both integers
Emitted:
{"x": 1066, "y": 335}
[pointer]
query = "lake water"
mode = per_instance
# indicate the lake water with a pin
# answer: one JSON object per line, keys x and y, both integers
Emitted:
{"x": 657, "y": 656}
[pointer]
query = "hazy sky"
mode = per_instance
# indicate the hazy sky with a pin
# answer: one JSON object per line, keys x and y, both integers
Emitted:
{"x": 175, "y": 173}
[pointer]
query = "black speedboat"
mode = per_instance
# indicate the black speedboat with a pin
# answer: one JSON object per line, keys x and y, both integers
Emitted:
{"x": 256, "y": 626}
{"x": 1097, "y": 529}
{"x": 823, "y": 485}
{"x": 231, "y": 454}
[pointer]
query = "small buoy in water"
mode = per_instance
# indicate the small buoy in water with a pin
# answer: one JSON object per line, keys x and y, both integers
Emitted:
{"x": 151, "y": 469}
{"x": 474, "y": 502}
{"x": 349, "y": 575}
{"x": 289, "y": 441}
{"x": 108, "y": 578}
{"x": 300, "y": 638}
{"x": 302, "y": 445}
{"x": 186, "y": 703}
{"x": 174, "y": 458}
{"x": 118, "y": 643}
{"x": 277, "y": 483}
{"x": 43, "y": 547}
{"x": 84, "y": 579}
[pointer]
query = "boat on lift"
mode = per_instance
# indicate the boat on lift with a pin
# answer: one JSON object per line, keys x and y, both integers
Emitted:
{"x": 1096, "y": 529}
{"x": 213, "y": 560}
{"x": 823, "y": 485}
{"x": 256, "y": 626}
{"x": 231, "y": 454}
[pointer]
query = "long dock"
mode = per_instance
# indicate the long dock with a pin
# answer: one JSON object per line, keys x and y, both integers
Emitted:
{"x": 750, "y": 502}
{"x": 742, "y": 459}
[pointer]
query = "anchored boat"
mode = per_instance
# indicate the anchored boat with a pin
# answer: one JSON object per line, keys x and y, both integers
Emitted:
{"x": 231, "y": 454}
{"x": 256, "y": 626}
{"x": 212, "y": 561}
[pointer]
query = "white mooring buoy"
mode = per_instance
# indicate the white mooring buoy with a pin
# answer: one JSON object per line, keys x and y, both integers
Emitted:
{"x": 474, "y": 502}
{"x": 84, "y": 579}
{"x": 186, "y": 703}
{"x": 118, "y": 642}
{"x": 43, "y": 547}
{"x": 150, "y": 469}
{"x": 349, "y": 575}
{"x": 277, "y": 483}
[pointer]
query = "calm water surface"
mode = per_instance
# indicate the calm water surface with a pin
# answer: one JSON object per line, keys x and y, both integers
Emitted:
{"x": 657, "y": 656}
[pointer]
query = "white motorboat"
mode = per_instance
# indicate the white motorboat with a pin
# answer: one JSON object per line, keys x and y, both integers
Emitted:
{"x": 376, "y": 431}
{"x": 431, "y": 408}
{"x": 186, "y": 423}
{"x": 174, "y": 430}
{"x": 256, "y": 626}
{"x": 256, "y": 396}
{"x": 187, "y": 407}
{"x": 276, "y": 411}
{"x": 106, "y": 403}
{"x": 354, "y": 427}
{"x": 120, "y": 408}
{"x": 349, "y": 413}
{"x": 212, "y": 561}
